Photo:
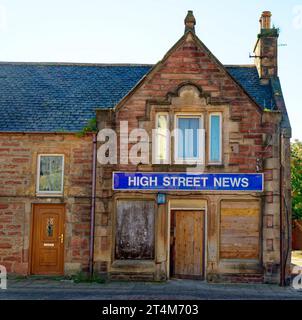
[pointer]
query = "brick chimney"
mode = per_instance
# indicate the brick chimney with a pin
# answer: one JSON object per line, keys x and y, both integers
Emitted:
{"x": 266, "y": 49}
{"x": 190, "y": 22}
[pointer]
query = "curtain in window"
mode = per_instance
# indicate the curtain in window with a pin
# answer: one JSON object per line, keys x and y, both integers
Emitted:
{"x": 51, "y": 173}
{"x": 188, "y": 138}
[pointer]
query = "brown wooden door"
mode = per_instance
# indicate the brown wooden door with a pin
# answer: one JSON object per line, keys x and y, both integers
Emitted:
{"x": 48, "y": 239}
{"x": 187, "y": 244}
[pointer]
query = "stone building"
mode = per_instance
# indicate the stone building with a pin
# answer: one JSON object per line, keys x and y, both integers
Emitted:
{"x": 212, "y": 199}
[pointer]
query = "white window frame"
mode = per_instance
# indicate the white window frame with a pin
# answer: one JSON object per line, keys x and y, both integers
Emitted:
{"x": 201, "y": 151}
{"x": 38, "y": 175}
{"x": 156, "y": 158}
{"x": 220, "y": 138}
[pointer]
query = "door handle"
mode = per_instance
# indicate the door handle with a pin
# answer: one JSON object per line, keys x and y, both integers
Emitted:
{"x": 61, "y": 237}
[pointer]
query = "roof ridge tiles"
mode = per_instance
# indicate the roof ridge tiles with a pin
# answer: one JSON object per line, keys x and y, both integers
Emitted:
{"x": 239, "y": 65}
{"x": 96, "y": 64}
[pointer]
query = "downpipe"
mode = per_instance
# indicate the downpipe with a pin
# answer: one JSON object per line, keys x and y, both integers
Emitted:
{"x": 92, "y": 212}
{"x": 282, "y": 262}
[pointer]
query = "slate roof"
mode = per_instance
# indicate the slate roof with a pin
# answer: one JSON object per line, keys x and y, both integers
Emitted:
{"x": 248, "y": 77}
{"x": 36, "y": 97}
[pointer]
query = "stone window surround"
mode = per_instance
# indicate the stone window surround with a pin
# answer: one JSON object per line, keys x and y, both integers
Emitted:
{"x": 205, "y": 115}
{"x": 49, "y": 193}
{"x": 187, "y": 98}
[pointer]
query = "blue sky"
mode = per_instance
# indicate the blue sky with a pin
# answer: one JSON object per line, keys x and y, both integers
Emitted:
{"x": 141, "y": 31}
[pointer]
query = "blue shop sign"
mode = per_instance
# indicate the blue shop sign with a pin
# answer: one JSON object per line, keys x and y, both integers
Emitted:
{"x": 187, "y": 181}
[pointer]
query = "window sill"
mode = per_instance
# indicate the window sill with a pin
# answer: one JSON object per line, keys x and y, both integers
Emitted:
{"x": 166, "y": 167}
{"x": 215, "y": 165}
{"x": 49, "y": 195}
{"x": 133, "y": 263}
{"x": 189, "y": 162}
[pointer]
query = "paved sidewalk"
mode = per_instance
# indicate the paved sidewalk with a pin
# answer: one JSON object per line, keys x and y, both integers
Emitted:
{"x": 43, "y": 289}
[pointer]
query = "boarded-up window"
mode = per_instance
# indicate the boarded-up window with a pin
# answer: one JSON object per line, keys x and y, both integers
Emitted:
{"x": 135, "y": 230}
{"x": 239, "y": 230}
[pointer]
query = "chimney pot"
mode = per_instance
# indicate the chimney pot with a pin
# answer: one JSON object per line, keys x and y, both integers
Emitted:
{"x": 190, "y": 22}
{"x": 266, "y": 49}
{"x": 265, "y": 20}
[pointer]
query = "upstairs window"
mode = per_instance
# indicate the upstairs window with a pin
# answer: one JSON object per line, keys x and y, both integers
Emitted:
{"x": 189, "y": 146}
{"x": 162, "y": 139}
{"x": 215, "y": 140}
{"x": 50, "y": 174}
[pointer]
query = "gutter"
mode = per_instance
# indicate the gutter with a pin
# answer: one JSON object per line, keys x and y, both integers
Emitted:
{"x": 92, "y": 212}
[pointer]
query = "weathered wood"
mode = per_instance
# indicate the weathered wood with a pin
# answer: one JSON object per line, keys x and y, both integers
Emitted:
{"x": 134, "y": 230}
{"x": 239, "y": 230}
{"x": 187, "y": 245}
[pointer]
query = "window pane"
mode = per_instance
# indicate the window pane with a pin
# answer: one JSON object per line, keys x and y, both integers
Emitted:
{"x": 215, "y": 138}
{"x": 162, "y": 135}
{"x": 188, "y": 144}
{"x": 51, "y": 173}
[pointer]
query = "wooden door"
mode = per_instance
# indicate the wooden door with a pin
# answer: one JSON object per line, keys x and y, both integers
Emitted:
{"x": 48, "y": 239}
{"x": 187, "y": 244}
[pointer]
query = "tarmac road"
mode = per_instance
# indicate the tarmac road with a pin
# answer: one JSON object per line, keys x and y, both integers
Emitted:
{"x": 33, "y": 289}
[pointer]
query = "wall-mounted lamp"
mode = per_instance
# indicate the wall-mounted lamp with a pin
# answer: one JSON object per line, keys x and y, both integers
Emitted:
{"x": 161, "y": 198}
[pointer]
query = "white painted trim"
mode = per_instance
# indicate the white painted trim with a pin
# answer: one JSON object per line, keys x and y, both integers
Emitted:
{"x": 209, "y": 139}
{"x": 201, "y": 149}
{"x": 52, "y": 193}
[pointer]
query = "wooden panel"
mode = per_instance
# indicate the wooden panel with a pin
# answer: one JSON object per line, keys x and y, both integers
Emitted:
{"x": 239, "y": 230}
{"x": 134, "y": 230}
{"x": 187, "y": 237}
{"x": 48, "y": 239}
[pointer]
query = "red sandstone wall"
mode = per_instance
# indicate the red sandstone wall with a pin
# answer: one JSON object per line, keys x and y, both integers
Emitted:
{"x": 18, "y": 168}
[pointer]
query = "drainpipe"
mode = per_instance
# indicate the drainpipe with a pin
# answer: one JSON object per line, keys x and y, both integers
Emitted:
{"x": 92, "y": 212}
{"x": 282, "y": 269}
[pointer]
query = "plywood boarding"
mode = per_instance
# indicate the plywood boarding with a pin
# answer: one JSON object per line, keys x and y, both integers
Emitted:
{"x": 134, "y": 230}
{"x": 187, "y": 204}
{"x": 239, "y": 229}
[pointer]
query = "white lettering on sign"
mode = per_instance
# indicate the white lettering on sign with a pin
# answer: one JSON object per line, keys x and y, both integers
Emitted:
{"x": 142, "y": 181}
{"x": 183, "y": 181}
{"x": 227, "y": 182}
{"x": 168, "y": 181}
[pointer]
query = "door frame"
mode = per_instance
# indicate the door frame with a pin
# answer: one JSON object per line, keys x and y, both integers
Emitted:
{"x": 31, "y": 237}
{"x": 205, "y": 235}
